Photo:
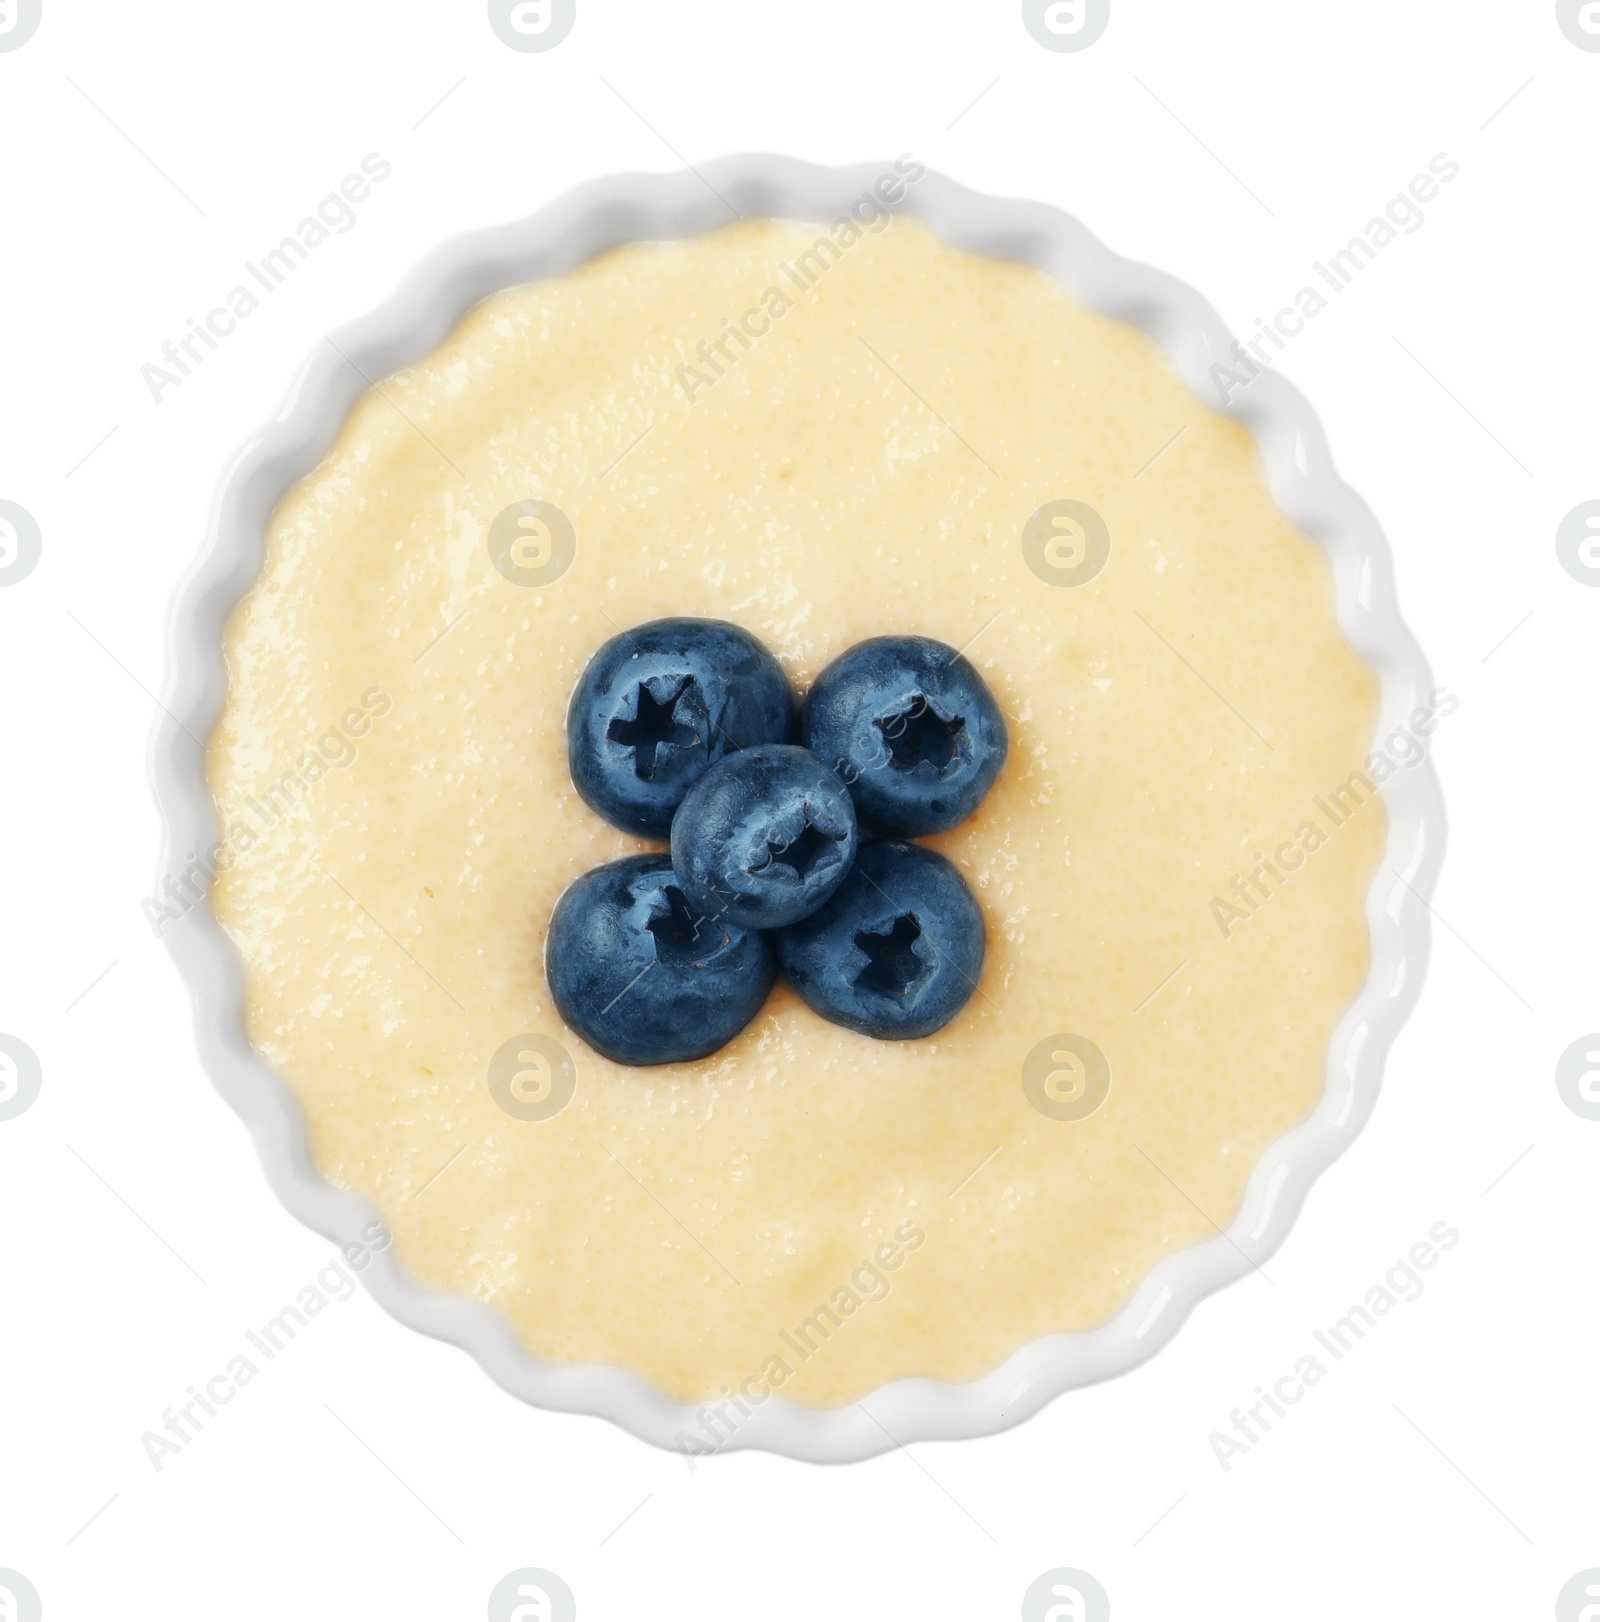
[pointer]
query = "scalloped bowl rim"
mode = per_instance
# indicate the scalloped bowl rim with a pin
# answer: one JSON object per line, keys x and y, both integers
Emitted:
{"x": 1300, "y": 472}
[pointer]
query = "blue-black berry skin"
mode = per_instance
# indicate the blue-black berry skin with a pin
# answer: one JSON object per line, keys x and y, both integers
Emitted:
{"x": 912, "y": 730}
{"x": 642, "y": 976}
{"x": 896, "y": 952}
{"x": 764, "y": 838}
{"x": 660, "y": 704}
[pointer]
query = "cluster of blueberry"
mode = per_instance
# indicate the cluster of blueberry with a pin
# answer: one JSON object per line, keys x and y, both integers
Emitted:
{"x": 791, "y": 855}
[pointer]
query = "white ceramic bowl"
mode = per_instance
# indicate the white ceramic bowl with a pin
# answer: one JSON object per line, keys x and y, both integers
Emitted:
{"x": 632, "y": 208}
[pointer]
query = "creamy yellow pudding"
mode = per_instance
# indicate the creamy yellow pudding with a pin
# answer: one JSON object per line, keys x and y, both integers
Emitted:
{"x": 820, "y": 444}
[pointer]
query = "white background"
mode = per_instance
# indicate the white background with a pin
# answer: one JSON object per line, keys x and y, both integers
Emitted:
{"x": 1446, "y": 1467}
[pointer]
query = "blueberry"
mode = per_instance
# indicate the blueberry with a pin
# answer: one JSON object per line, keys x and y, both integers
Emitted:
{"x": 659, "y": 704}
{"x": 912, "y": 730}
{"x": 642, "y": 976}
{"x": 898, "y": 950}
{"x": 764, "y": 838}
